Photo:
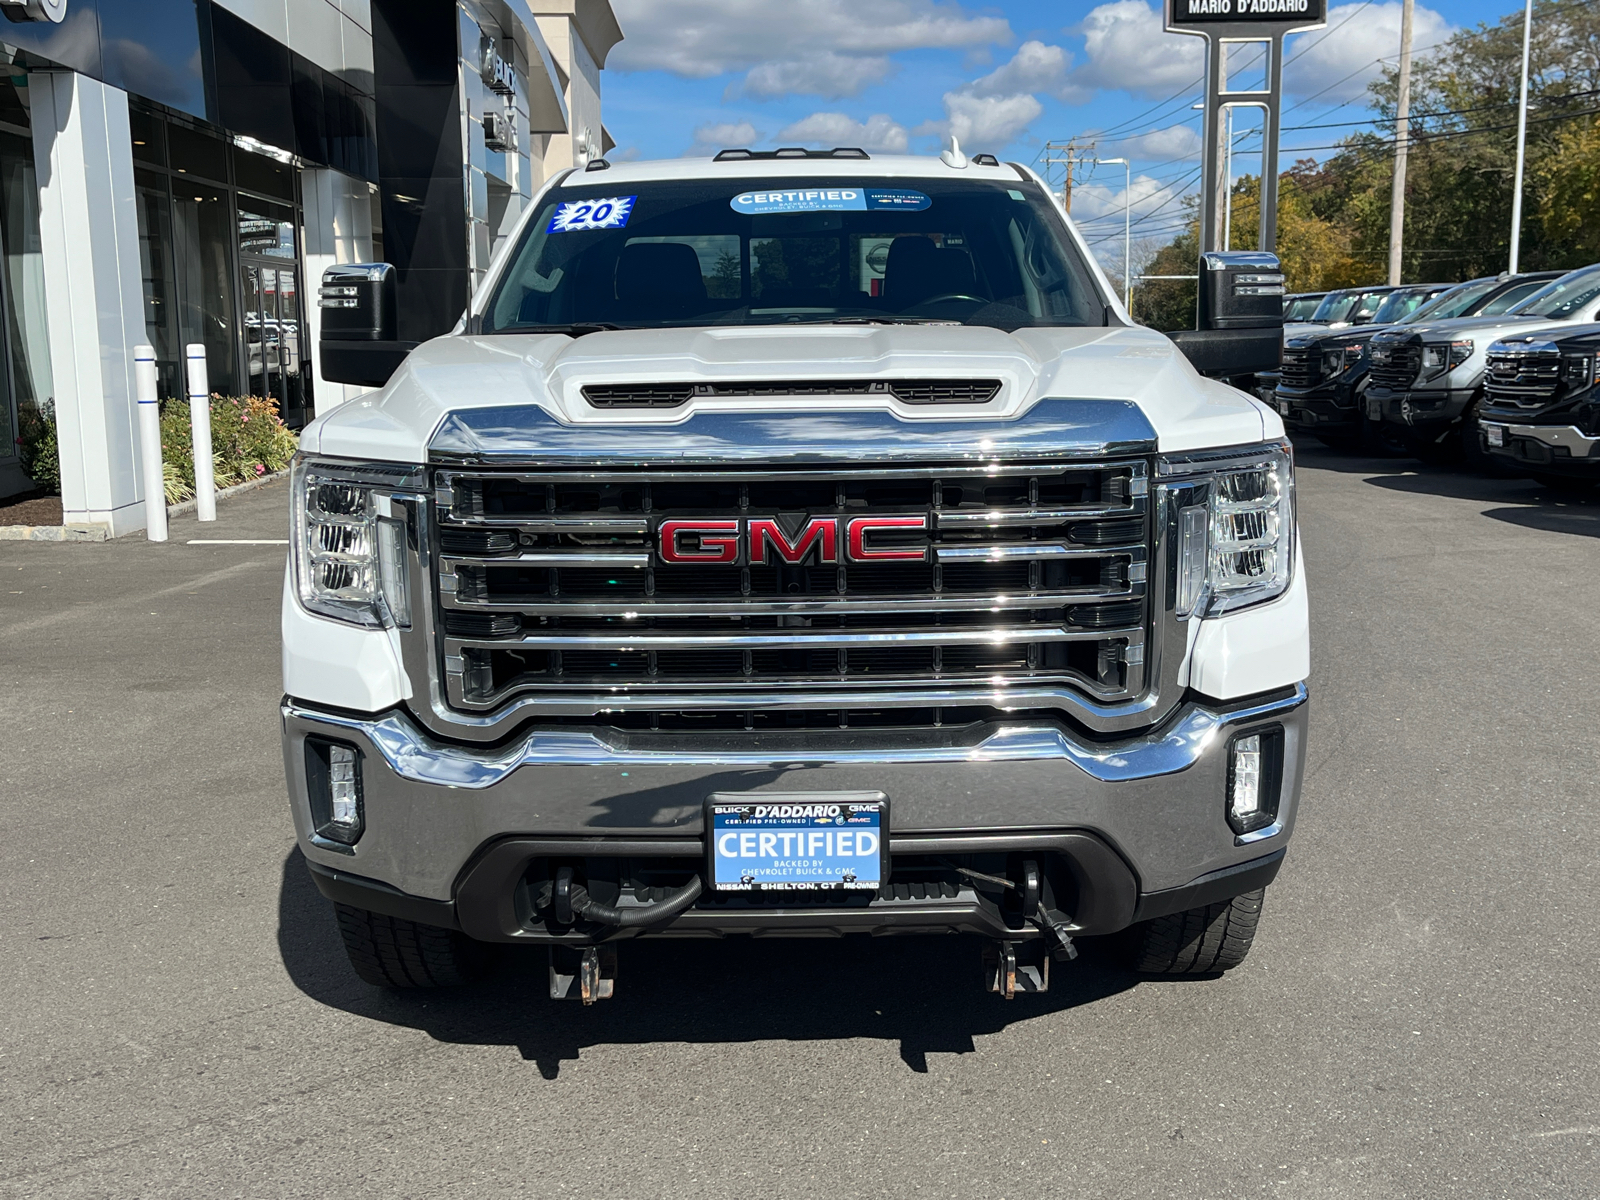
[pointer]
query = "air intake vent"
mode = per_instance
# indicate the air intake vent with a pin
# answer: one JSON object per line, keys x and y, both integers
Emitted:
{"x": 907, "y": 391}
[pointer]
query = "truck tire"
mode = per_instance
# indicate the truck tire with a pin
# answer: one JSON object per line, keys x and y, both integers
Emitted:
{"x": 391, "y": 952}
{"x": 1201, "y": 941}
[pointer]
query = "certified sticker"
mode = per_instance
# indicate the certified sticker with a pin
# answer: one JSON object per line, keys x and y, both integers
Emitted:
{"x": 827, "y": 199}
{"x": 612, "y": 212}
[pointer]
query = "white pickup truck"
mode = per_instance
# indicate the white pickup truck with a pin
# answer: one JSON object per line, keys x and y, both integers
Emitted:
{"x": 792, "y": 543}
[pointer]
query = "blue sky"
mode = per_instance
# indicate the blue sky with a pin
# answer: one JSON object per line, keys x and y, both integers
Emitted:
{"x": 693, "y": 76}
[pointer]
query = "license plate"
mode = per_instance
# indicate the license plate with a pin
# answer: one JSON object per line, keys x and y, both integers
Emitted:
{"x": 806, "y": 842}
{"x": 1496, "y": 434}
{"x": 1283, "y": 408}
{"x": 1374, "y": 410}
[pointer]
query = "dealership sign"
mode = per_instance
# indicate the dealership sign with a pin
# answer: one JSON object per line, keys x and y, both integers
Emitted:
{"x": 1191, "y": 13}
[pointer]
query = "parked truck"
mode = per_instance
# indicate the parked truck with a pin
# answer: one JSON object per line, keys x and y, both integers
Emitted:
{"x": 794, "y": 543}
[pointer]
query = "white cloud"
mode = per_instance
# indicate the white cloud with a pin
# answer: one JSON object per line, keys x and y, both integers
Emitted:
{"x": 1036, "y": 67}
{"x": 1173, "y": 142}
{"x": 829, "y": 75}
{"x": 984, "y": 122}
{"x": 708, "y": 139}
{"x": 1129, "y": 50}
{"x": 1098, "y": 202}
{"x": 829, "y": 129}
{"x": 1340, "y": 66}
{"x": 703, "y": 38}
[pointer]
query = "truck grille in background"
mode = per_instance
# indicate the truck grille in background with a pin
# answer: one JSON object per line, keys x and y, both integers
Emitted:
{"x": 1395, "y": 366}
{"x": 1300, "y": 369}
{"x": 1523, "y": 380}
{"x": 551, "y": 584}
{"x": 907, "y": 391}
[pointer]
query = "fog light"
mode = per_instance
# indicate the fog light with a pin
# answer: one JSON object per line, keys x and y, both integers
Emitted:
{"x": 333, "y": 782}
{"x": 1255, "y": 778}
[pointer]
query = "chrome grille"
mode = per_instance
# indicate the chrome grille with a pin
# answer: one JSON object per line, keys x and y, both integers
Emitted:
{"x": 551, "y": 584}
{"x": 1300, "y": 369}
{"x": 907, "y": 391}
{"x": 1395, "y": 366}
{"x": 1525, "y": 380}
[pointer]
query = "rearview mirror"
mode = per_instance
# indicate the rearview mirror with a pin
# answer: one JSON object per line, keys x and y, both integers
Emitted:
{"x": 359, "y": 305}
{"x": 1240, "y": 327}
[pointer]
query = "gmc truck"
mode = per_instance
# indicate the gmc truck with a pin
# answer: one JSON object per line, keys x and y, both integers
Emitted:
{"x": 1541, "y": 411}
{"x": 794, "y": 543}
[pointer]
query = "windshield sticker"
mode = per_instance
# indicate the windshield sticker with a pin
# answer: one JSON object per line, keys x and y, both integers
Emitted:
{"x": 842, "y": 199}
{"x": 576, "y": 215}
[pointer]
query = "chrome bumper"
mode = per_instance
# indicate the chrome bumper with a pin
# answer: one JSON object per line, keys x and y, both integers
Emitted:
{"x": 1569, "y": 437}
{"x": 1157, "y": 799}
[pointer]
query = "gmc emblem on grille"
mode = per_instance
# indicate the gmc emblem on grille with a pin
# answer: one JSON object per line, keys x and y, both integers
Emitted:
{"x": 760, "y": 539}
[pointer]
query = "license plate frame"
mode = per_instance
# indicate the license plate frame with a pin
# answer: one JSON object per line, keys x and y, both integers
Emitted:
{"x": 739, "y": 861}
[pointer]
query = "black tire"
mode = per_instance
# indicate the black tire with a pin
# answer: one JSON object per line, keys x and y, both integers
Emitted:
{"x": 390, "y": 952}
{"x": 1473, "y": 454}
{"x": 1201, "y": 941}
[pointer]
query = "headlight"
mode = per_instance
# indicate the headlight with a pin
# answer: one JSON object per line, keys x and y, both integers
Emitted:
{"x": 1442, "y": 357}
{"x": 1339, "y": 360}
{"x": 350, "y": 541}
{"x": 1234, "y": 527}
{"x": 1580, "y": 372}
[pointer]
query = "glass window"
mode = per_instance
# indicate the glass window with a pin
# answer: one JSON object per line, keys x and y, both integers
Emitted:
{"x": 1513, "y": 296}
{"x": 927, "y": 250}
{"x": 1336, "y": 307}
{"x": 269, "y": 232}
{"x": 196, "y": 153}
{"x": 149, "y": 136}
{"x": 1366, "y": 307}
{"x": 202, "y": 230}
{"x": 27, "y": 336}
{"x": 258, "y": 173}
{"x": 155, "y": 269}
{"x": 1458, "y": 301}
{"x": 1301, "y": 308}
{"x": 1560, "y": 299}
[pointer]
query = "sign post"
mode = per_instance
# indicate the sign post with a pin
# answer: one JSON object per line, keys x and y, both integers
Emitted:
{"x": 1224, "y": 23}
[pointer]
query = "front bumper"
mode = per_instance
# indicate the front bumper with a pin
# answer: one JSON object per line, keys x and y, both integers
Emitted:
{"x": 1563, "y": 449}
{"x": 1422, "y": 409}
{"x": 1328, "y": 408}
{"x": 1138, "y": 822}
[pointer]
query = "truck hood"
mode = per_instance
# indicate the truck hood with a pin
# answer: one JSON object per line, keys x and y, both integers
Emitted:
{"x": 459, "y": 372}
{"x": 1476, "y": 328}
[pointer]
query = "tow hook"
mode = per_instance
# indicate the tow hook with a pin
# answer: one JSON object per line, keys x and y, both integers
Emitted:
{"x": 1024, "y": 966}
{"x": 592, "y": 968}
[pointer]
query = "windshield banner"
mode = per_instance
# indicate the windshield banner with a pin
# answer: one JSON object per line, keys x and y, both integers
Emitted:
{"x": 825, "y": 199}
{"x": 609, "y": 213}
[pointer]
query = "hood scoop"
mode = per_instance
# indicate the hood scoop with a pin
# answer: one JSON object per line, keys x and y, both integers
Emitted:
{"x": 907, "y": 391}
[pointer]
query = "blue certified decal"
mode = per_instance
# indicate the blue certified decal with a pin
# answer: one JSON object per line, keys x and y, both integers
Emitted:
{"x": 612, "y": 212}
{"x": 827, "y": 199}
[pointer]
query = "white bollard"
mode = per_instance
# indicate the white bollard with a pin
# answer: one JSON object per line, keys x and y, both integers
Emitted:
{"x": 155, "y": 482}
{"x": 205, "y": 480}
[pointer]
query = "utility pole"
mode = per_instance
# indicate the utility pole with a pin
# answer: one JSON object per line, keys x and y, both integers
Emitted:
{"x": 1066, "y": 154}
{"x": 1522, "y": 142}
{"x": 1402, "y": 146}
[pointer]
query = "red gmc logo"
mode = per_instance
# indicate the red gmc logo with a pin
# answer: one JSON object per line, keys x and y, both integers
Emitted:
{"x": 758, "y": 539}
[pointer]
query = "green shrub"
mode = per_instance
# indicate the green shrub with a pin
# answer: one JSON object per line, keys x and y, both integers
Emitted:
{"x": 248, "y": 440}
{"x": 41, "y": 455}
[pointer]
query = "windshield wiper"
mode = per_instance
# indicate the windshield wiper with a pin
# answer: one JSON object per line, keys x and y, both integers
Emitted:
{"x": 883, "y": 321}
{"x": 576, "y": 329}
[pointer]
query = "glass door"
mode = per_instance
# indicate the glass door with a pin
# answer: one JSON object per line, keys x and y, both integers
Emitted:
{"x": 273, "y": 324}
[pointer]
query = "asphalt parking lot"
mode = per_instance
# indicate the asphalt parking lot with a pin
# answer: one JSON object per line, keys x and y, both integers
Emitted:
{"x": 1419, "y": 1017}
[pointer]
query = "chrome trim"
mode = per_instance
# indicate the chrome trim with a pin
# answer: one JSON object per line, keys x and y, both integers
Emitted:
{"x": 1574, "y": 440}
{"x": 552, "y": 558}
{"x": 801, "y": 606}
{"x": 546, "y": 524}
{"x": 531, "y": 436}
{"x": 1054, "y": 516}
{"x": 414, "y": 756}
{"x": 1259, "y": 835}
{"x": 1027, "y": 550}
{"x": 821, "y": 641}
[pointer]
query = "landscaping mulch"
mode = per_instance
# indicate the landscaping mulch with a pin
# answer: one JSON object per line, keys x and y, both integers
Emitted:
{"x": 30, "y": 508}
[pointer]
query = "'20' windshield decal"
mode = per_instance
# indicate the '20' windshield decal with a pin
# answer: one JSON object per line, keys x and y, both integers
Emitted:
{"x": 612, "y": 212}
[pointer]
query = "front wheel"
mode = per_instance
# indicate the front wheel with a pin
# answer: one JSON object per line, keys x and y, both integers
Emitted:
{"x": 391, "y": 952}
{"x": 1202, "y": 941}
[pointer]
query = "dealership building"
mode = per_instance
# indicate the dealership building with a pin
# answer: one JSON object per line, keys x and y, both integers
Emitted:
{"x": 182, "y": 171}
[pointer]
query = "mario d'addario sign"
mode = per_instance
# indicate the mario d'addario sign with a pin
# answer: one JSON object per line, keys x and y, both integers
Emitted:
{"x": 1211, "y": 12}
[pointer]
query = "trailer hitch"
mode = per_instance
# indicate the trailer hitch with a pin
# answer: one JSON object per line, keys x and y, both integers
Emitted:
{"x": 592, "y": 968}
{"x": 1024, "y": 966}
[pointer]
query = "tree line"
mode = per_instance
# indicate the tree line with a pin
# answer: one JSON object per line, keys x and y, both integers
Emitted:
{"x": 1333, "y": 216}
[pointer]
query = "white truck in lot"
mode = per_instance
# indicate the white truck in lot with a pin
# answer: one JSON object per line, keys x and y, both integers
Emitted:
{"x": 794, "y": 543}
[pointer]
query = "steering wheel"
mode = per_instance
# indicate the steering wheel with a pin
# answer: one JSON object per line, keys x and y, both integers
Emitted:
{"x": 949, "y": 296}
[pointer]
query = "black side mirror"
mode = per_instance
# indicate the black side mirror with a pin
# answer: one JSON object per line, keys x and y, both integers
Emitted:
{"x": 1240, "y": 327}
{"x": 360, "y": 307}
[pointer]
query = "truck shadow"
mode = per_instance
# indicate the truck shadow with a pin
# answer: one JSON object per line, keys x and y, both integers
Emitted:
{"x": 925, "y": 993}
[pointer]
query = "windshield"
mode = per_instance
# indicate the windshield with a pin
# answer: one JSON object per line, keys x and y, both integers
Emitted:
{"x": 1302, "y": 308}
{"x": 1354, "y": 307}
{"x": 748, "y": 251}
{"x": 1458, "y": 301}
{"x": 1399, "y": 305}
{"x": 1512, "y": 297}
{"x": 1561, "y": 299}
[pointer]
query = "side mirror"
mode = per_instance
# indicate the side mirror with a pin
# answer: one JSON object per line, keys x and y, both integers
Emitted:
{"x": 1240, "y": 327}
{"x": 360, "y": 308}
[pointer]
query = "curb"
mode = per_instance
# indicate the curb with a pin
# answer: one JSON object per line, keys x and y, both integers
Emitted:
{"x": 100, "y": 531}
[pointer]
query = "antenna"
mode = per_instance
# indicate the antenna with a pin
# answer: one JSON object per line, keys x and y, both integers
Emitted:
{"x": 953, "y": 156}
